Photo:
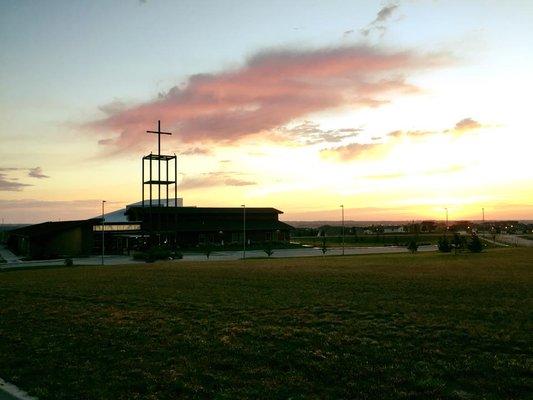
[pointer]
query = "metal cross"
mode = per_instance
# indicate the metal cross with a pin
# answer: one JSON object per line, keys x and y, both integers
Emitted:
{"x": 159, "y": 133}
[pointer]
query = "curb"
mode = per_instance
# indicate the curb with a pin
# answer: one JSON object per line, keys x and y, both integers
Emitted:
{"x": 11, "y": 392}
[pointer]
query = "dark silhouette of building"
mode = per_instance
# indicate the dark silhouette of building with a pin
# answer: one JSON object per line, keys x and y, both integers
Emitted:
{"x": 53, "y": 239}
{"x": 187, "y": 226}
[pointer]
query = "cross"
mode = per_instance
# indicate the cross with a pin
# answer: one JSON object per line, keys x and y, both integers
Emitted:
{"x": 159, "y": 133}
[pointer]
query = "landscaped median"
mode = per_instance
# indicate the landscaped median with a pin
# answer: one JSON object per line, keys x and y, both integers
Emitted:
{"x": 427, "y": 325}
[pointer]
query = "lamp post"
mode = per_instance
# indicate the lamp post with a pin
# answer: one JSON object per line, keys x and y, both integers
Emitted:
{"x": 483, "y": 219}
{"x": 103, "y": 230}
{"x": 342, "y": 208}
{"x": 446, "y": 208}
{"x": 243, "y": 231}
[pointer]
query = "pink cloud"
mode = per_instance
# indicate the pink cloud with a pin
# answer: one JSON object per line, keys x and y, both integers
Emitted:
{"x": 467, "y": 124}
{"x": 270, "y": 90}
{"x": 195, "y": 151}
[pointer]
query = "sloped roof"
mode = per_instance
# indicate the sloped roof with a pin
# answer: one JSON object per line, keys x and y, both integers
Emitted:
{"x": 120, "y": 214}
{"x": 208, "y": 210}
{"x": 49, "y": 228}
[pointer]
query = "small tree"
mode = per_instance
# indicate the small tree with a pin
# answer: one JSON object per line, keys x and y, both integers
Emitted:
{"x": 207, "y": 249}
{"x": 324, "y": 247}
{"x": 457, "y": 242}
{"x": 475, "y": 245}
{"x": 267, "y": 248}
{"x": 412, "y": 246}
{"x": 444, "y": 245}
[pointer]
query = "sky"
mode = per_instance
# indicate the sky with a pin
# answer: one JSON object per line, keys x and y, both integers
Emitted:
{"x": 395, "y": 110}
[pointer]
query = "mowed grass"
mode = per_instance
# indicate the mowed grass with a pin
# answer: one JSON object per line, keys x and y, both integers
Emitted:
{"x": 382, "y": 327}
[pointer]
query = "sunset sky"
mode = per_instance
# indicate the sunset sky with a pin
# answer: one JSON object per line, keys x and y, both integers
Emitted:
{"x": 394, "y": 109}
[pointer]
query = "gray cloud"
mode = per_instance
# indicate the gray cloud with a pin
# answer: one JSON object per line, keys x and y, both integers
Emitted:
{"x": 114, "y": 107}
{"x": 309, "y": 133}
{"x": 379, "y": 23}
{"x": 195, "y": 151}
{"x": 105, "y": 142}
{"x": 37, "y": 172}
{"x": 347, "y": 33}
{"x": 10, "y": 185}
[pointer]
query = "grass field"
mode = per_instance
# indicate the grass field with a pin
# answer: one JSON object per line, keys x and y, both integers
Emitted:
{"x": 384, "y": 326}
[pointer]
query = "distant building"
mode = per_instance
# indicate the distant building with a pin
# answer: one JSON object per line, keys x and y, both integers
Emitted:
{"x": 393, "y": 229}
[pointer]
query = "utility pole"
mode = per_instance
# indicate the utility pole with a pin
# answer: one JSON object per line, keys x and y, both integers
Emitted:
{"x": 243, "y": 231}
{"x": 103, "y": 230}
{"x": 342, "y": 208}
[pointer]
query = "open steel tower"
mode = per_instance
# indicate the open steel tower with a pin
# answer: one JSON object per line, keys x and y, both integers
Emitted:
{"x": 159, "y": 171}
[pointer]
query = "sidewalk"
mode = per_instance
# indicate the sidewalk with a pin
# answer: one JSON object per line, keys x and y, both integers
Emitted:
{"x": 8, "y": 255}
{"x": 228, "y": 255}
{"x": 11, "y": 392}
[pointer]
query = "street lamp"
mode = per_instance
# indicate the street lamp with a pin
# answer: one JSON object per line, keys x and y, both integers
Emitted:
{"x": 446, "y": 208}
{"x": 103, "y": 230}
{"x": 342, "y": 208}
{"x": 483, "y": 219}
{"x": 243, "y": 231}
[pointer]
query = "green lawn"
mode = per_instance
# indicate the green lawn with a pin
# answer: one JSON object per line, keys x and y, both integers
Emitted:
{"x": 424, "y": 326}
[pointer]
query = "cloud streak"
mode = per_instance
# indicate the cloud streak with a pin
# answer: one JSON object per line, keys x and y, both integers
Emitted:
{"x": 272, "y": 89}
{"x": 10, "y": 185}
{"x": 196, "y": 151}
{"x": 211, "y": 179}
{"x": 309, "y": 133}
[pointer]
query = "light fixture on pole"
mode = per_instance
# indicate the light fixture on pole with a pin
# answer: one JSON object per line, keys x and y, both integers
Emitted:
{"x": 103, "y": 230}
{"x": 243, "y": 231}
{"x": 446, "y": 208}
{"x": 342, "y": 208}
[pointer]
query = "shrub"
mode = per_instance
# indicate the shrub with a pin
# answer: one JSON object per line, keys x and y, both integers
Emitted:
{"x": 459, "y": 242}
{"x": 268, "y": 249}
{"x": 475, "y": 245}
{"x": 444, "y": 245}
{"x": 207, "y": 249}
{"x": 412, "y": 246}
{"x": 69, "y": 262}
{"x": 158, "y": 253}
